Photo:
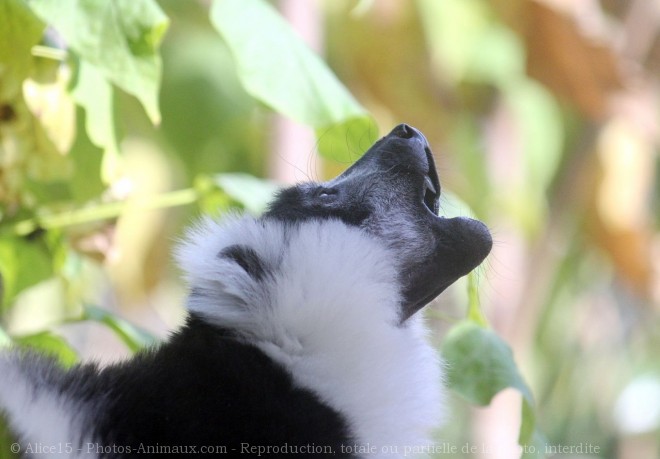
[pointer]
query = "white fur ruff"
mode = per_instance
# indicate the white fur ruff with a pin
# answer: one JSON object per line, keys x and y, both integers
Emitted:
{"x": 49, "y": 423}
{"x": 328, "y": 314}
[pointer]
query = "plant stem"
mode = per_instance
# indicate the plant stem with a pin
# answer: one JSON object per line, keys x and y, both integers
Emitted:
{"x": 105, "y": 211}
{"x": 49, "y": 52}
{"x": 475, "y": 314}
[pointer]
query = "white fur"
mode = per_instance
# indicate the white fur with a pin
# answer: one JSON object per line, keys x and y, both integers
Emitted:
{"x": 329, "y": 314}
{"x": 46, "y": 421}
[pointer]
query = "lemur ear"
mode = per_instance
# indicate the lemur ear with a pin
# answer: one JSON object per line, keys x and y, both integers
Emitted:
{"x": 246, "y": 258}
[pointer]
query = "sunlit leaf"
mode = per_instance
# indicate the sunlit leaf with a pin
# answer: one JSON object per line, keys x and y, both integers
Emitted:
{"x": 51, "y": 344}
{"x": 86, "y": 183}
{"x": 29, "y": 159}
{"x": 51, "y": 104}
{"x": 23, "y": 263}
{"x": 261, "y": 41}
{"x": 277, "y": 68}
{"x": 481, "y": 364}
{"x": 120, "y": 37}
{"x": 253, "y": 193}
{"x": 94, "y": 94}
{"x": 347, "y": 141}
{"x": 20, "y": 30}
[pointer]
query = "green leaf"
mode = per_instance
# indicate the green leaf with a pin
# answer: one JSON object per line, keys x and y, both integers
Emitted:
{"x": 6, "y": 440}
{"x": 85, "y": 184}
{"x": 51, "y": 344}
{"x": 23, "y": 263}
{"x": 253, "y": 193}
{"x": 120, "y": 37}
{"x": 276, "y": 67}
{"x": 529, "y": 435}
{"x": 481, "y": 364}
{"x": 345, "y": 142}
{"x": 20, "y": 30}
{"x": 93, "y": 93}
{"x": 133, "y": 337}
{"x": 475, "y": 314}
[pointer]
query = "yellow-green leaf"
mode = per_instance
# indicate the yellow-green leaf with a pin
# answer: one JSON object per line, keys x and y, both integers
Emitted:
{"x": 120, "y": 37}
{"x": 20, "y": 30}
{"x": 277, "y": 68}
{"x": 480, "y": 364}
{"x": 94, "y": 94}
{"x": 23, "y": 263}
{"x": 51, "y": 344}
{"x": 253, "y": 193}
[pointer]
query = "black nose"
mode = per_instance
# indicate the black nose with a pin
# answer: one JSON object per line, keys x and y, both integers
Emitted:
{"x": 405, "y": 131}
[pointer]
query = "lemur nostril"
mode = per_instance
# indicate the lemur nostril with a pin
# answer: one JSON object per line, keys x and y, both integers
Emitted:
{"x": 404, "y": 131}
{"x": 408, "y": 132}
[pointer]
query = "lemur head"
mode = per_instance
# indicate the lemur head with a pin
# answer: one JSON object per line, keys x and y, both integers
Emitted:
{"x": 393, "y": 193}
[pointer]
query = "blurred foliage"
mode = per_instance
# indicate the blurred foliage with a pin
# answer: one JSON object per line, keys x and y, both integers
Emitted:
{"x": 121, "y": 120}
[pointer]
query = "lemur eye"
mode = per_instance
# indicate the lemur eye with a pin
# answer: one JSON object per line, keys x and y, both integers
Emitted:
{"x": 325, "y": 193}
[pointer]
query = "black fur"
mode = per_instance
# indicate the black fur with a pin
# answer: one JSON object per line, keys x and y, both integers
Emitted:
{"x": 246, "y": 258}
{"x": 309, "y": 201}
{"x": 202, "y": 388}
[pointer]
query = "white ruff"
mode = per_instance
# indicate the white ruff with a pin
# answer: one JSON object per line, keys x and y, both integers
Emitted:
{"x": 327, "y": 313}
{"x": 40, "y": 415}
